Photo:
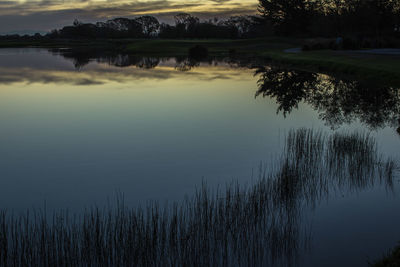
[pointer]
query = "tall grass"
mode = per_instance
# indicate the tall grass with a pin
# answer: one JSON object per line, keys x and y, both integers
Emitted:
{"x": 255, "y": 226}
{"x": 316, "y": 164}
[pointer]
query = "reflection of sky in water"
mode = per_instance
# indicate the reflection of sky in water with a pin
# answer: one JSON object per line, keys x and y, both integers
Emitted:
{"x": 73, "y": 138}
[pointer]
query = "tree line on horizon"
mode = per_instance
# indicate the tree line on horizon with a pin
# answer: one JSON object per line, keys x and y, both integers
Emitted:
{"x": 299, "y": 18}
{"x": 185, "y": 26}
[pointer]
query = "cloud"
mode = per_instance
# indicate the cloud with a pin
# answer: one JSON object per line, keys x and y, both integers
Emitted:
{"x": 44, "y": 15}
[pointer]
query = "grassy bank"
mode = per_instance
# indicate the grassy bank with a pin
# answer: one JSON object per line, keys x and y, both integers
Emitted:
{"x": 216, "y": 47}
{"x": 380, "y": 68}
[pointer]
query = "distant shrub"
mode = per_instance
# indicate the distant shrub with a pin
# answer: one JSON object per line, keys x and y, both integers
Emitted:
{"x": 351, "y": 43}
{"x": 317, "y": 44}
{"x": 232, "y": 51}
{"x": 198, "y": 52}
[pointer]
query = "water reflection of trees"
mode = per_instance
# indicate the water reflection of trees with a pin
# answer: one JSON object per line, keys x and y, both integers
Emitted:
{"x": 287, "y": 87}
{"x": 337, "y": 101}
{"x": 81, "y": 58}
{"x": 130, "y": 60}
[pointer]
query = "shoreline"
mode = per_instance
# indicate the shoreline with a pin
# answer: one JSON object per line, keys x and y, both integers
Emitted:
{"x": 362, "y": 65}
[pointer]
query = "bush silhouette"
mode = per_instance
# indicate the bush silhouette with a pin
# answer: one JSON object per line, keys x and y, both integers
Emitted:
{"x": 198, "y": 52}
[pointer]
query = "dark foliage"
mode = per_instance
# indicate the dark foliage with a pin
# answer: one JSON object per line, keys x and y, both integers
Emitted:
{"x": 330, "y": 18}
{"x": 141, "y": 27}
{"x": 198, "y": 52}
{"x": 338, "y": 101}
{"x": 186, "y": 26}
{"x": 392, "y": 259}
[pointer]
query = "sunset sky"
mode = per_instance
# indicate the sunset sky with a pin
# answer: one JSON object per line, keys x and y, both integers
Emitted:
{"x": 44, "y": 15}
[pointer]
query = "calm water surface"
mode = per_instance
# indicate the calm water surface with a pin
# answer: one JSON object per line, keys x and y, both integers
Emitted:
{"x": 74, "y": 131}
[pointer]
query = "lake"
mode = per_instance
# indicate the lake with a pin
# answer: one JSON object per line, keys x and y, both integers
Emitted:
{"x": 79, "y": 129}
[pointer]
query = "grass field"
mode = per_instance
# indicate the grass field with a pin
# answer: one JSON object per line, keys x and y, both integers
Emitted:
{"x": 381, "y": 68}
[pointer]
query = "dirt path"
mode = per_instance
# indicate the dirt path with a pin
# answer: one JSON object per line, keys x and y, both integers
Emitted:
{"x": 380, "y": 51}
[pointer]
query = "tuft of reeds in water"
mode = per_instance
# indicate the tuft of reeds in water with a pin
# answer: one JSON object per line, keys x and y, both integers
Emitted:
{"x": 240, "y": 228}
{"x": 315, "y": 164}
{"x": 256, "y": 226}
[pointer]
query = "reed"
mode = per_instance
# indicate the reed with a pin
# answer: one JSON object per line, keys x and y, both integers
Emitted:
{"x": 255, "y": 226}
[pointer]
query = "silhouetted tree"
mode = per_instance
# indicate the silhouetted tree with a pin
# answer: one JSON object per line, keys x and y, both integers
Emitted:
{"x": 150, "y": 25}
{"x": 121, "y": 27}
{"x": 242, "y": 24}
{"x": 167, "y": 31}
{"x": 186, "y": 24}
{"x": 331, "y": 17}
{"x": 287, "y": 16}
{"x": 79, "y": 30}
{"x": 77, "y": 23}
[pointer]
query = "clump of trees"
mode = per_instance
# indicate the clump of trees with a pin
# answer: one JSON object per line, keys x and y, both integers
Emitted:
{"x": 186, "y": 26}
{"x": 141, "y": 27}
{"x": 360, "y": 23}
{"x": 17, "y": 37}
{"x": 332, "y": 17}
